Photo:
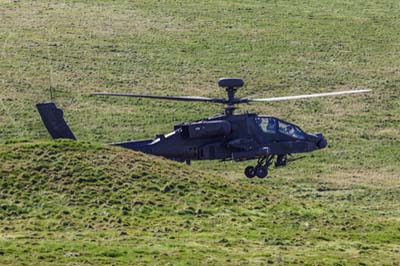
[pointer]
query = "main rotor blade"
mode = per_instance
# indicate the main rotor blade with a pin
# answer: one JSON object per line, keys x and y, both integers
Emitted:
{"x": 174, "y": 98}
{"x": 276, "y": 99}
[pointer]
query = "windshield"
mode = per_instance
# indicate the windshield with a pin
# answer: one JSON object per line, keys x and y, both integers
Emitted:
{"x": 290, "y": 130}
{"x": 267, "y": 124}
{"x": 272, "y": 125}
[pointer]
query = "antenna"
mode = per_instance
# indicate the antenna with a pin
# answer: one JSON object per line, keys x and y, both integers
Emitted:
{"x": 51, "y": 94}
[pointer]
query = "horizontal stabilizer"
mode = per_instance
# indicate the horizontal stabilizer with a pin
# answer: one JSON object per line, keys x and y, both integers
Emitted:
{"x": 137, "y": 145}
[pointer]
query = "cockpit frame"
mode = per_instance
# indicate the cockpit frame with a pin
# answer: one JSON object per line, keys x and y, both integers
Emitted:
{"x": 273, "y": 126}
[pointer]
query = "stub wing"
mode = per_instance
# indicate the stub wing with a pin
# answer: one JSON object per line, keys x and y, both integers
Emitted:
{"x": 248, "y": 155}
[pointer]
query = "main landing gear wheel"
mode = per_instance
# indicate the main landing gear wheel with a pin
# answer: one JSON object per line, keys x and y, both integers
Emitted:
{"x": 261, "y": 172}
{"x": 250, "y": 171}
{"x": 261, "y": 169}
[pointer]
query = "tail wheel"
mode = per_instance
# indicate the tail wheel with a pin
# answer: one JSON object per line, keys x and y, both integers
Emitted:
{"x": 250, "y": 171}
{"x": 281, "y": 160}
{"x": 261, "y": 172}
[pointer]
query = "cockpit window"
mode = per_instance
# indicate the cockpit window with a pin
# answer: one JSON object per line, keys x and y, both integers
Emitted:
{"x": 272, "y": 125}
{"x": 267, "y": 124}
{"x": 290, "y": 130}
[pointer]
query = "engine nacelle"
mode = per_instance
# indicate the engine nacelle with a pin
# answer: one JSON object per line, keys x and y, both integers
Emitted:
{"x": 206, "y": 129}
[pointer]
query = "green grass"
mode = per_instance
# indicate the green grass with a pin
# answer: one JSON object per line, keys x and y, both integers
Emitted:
{"x": 81, "y": 203}
{"x": 71, "y": 202}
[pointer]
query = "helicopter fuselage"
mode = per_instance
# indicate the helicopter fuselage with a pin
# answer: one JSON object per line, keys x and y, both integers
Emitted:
{"x": 230, "y": 137}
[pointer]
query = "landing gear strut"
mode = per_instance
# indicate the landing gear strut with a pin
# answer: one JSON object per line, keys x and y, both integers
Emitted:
{"x": 281, "y": 160}
{"x": 261, "y": 169}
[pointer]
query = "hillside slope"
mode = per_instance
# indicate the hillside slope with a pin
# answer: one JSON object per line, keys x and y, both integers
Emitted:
{"x": 70, "y": 202}
{"x": 73, "y": 203}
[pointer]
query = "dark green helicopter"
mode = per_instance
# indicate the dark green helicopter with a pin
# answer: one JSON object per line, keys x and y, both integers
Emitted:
{"x": 227, "y": 136}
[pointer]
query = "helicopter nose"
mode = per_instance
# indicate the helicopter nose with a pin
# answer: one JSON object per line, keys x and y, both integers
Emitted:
{"x": 321, "y": 143}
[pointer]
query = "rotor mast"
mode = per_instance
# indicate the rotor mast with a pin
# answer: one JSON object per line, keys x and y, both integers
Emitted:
{"x": 230, "y": 108}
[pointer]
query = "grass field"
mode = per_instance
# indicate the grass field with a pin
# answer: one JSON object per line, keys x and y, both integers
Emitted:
{"x": 75, "y": 203}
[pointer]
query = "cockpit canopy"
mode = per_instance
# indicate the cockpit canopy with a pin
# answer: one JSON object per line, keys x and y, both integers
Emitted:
{"x": 272, "y": 125}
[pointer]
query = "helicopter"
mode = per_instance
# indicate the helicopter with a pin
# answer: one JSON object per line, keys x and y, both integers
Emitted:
{"x": 226, "y": 136}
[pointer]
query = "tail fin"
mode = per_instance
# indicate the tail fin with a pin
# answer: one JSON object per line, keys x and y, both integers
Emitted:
{"x": 53, "y": 119}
